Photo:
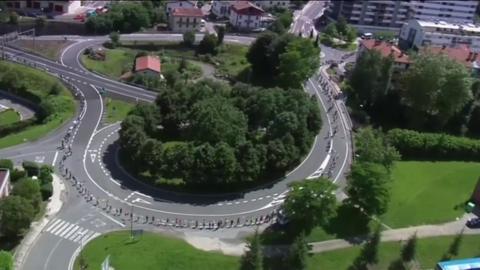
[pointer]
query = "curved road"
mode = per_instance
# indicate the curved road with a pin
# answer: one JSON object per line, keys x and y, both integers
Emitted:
{"x": 100, "y": 189}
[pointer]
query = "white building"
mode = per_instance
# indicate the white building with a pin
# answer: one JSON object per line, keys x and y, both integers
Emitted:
{"x": 185, "y": 19}
{"x": 271, "y": 4}
{"x": 449, "y": 11}
{"x": 221, "y": 9}
{"x": 171, "y": 5}
{"x": 245, "y": 16}
{"x": 416, "y": 34}
{"x": 66, "y": 6}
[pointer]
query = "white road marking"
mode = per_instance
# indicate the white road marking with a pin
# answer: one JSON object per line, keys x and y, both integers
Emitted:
{"x": 55, "y": 158}
{"x": 112, "y": 219}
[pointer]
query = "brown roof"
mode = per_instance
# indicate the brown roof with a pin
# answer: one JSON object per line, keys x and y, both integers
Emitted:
{"x": 461, "y": 54}
{"x": 187, "y": 12}
{"x": 386, "y": 49}
{"x": 147, "y": 62}
{"x": 247, "y": 8}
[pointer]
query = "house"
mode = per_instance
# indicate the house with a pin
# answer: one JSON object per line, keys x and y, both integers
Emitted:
{"x": 272, "y": 4}
{"x": 148, "y": 65}
{"x": 245, "y": 16}
{"x": 185, "y": 19}
{"x": 221, "y": 9}
{"x": 171, "y": 5}
{"x": 65, "y": 6}
{"x": 416, "y": 34}
{"x": 401, "y": 60}
{"x": 461, "y": 54}
{"x": 4, "y": 183}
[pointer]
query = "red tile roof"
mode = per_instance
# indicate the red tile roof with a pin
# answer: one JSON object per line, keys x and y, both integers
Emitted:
{"x": 147, "y": 62}
{"x": 187, "y": 12}
{"x": 461, "y": 54}
{"x": 386, "y": 49}
{"x": 247, "y": 8}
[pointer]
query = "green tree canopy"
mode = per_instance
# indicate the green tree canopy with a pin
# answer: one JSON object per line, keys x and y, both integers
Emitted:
{"x": 435, "y": 86}
{"x": 30, "y": 190}
{"x": 6, "y": 260}
{"x": 298, "y": 252}
{"x": 189, "y": 38}
{"x": 252, "y": 259}
{"x": 311, "y": 203}
{"x": 372, "y": 146}
{"x": 368, "y": 187}
{"x": 16, "y": 213}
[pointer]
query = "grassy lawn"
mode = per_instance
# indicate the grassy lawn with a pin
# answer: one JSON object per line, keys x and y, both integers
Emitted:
{"x": 39, "y": 84}
{"x": 118, "y": 61}
{"x": 429, "y": 252}
{"x": 117, "y": 110}
{"x": 152, "y": 251}
{"x": 50, "y": 49}
{"x": 429, "y": 192}
{"x": 9, "y": 116}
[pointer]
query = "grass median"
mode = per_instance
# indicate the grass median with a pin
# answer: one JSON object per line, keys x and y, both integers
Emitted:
{"x": 117, "y": 110}
{"x": 59, "y": 106}
{"x": 9, "y": 116}
{"x": 151, "y": 251}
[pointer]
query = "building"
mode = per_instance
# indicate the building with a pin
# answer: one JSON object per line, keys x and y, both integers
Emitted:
{"x": 416, "y": 34}
{"x": 245, "y": 16}
{"x": 272, "y": 4}
{"x": 4, "y": 183}
{"x": 380, "y": 15}
{"x": 221, "y": 9}
{"x": 148, "y": 65}
{"x": 185, "y": 19}
{"x": 171, "y": 5}
{"x": 401, "y": 61}
{"x": 465, "y": 264}
{"x": 65, "y": 6}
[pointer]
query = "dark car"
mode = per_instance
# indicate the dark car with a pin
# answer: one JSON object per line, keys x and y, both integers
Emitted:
{"x": 31, "y": 14}
{"x": 473, "y": 223}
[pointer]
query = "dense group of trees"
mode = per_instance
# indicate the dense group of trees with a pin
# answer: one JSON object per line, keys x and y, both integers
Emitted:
{"x": 286, "y": 60}
{"x": 127, "y": 17}
{"x": 434, "y": 94}
{"x": 19, "y": 209}
{"x": 210, "y": 133}
{"x": 340, "y": 30}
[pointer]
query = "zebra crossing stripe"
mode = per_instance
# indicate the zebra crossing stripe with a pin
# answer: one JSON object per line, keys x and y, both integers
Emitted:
{"x": 53, "y": 224}
{"x": 57, "y": 226}
{"x": 79, "y": 235}
{"x": 93, "y": 236}
{"x": 72, "y": 231}
{"x": 90, "y": 233}
{"x": 66, "y": 230}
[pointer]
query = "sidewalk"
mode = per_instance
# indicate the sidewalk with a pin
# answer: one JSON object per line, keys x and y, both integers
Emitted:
{"x": 402, "y": 234}
{"x": 53, "y": 206}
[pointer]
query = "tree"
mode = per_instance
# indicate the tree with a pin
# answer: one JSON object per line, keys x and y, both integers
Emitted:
{"x": 331, "y": 30}
{"x": 40, "y": 23}
{"x": 258, "y": 55}
{"x": 6, "y": 260}
{"x": 13, "y": 18}
{"x": 252, "y": 259}
{"x": 30, "y": 190}
{"x": 311, "y": 203}
{"x": 277, "y": 27}
{"x": 16, "y": 213}
{"x": 297, "y": 64}
{"x": 220, "y": 34}
{"x": 31, "y": 167}
{"x": 409, "y": 249}
{"x": 208, "y": 44}
{"x": 251, "y": 161}
{"x": 369, "y": 253}
{"x": 368, "y": 187}
{"x": 56, "y": 89}
{"x": 372, "y": 146}
{"x": 435, "y": 86}
{"x": 454, "y": 248}
{"x": 189, "y": 38}
{"x": 114, "y": 39}
{"x": 342, "y": 25}
{"x": 6, "y": 164}
{"x": 297, "y": 256}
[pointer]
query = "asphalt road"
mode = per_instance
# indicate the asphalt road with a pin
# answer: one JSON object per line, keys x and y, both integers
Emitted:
{"x": 102, "y": 188}
{"x": 304, "y": 19}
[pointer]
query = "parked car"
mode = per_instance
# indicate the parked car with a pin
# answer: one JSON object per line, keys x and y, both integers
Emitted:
{"x": 473, "y": 223}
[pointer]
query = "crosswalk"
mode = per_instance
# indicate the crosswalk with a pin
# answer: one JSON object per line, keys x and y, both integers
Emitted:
{"x": 70, "y": 231}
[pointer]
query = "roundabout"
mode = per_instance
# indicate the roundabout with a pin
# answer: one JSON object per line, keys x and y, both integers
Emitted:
{"x": 99, "y": 189}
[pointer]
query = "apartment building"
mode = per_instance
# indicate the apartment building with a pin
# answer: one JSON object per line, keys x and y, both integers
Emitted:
{"x": 391, "y": 15}
{"x": 417, "y": 34}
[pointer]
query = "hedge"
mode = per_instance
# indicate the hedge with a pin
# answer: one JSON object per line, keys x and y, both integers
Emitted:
{"x": 31, "y": 167}
{"x": 47, "y": 190}
{"x": 434, "y": 146}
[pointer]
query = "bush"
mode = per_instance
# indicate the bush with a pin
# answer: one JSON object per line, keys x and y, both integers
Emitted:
{"x": 45, "y": 174}
{"x": 47, "y": 190}
{"x": 17, "y": 174}
{"x": 189, "y": 38}
{"x": 6, "y": 164}
{"x": 433, "y": 146}
{"x": 31, "y": 168}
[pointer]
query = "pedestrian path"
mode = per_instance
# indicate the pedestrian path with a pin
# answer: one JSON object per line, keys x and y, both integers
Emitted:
{"x": 70, "y": 231}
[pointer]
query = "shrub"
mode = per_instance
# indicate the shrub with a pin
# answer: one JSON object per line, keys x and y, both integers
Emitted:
{"x": 6, "y": 164}
{"x": 16, "y": 174}
{"x": 47, "y": 190}
{"x": 31, "y": 168}
{"x": 434, "y": 146}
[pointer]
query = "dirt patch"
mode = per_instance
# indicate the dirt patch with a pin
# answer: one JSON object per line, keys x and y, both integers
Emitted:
{"x": 50, "y": 49}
